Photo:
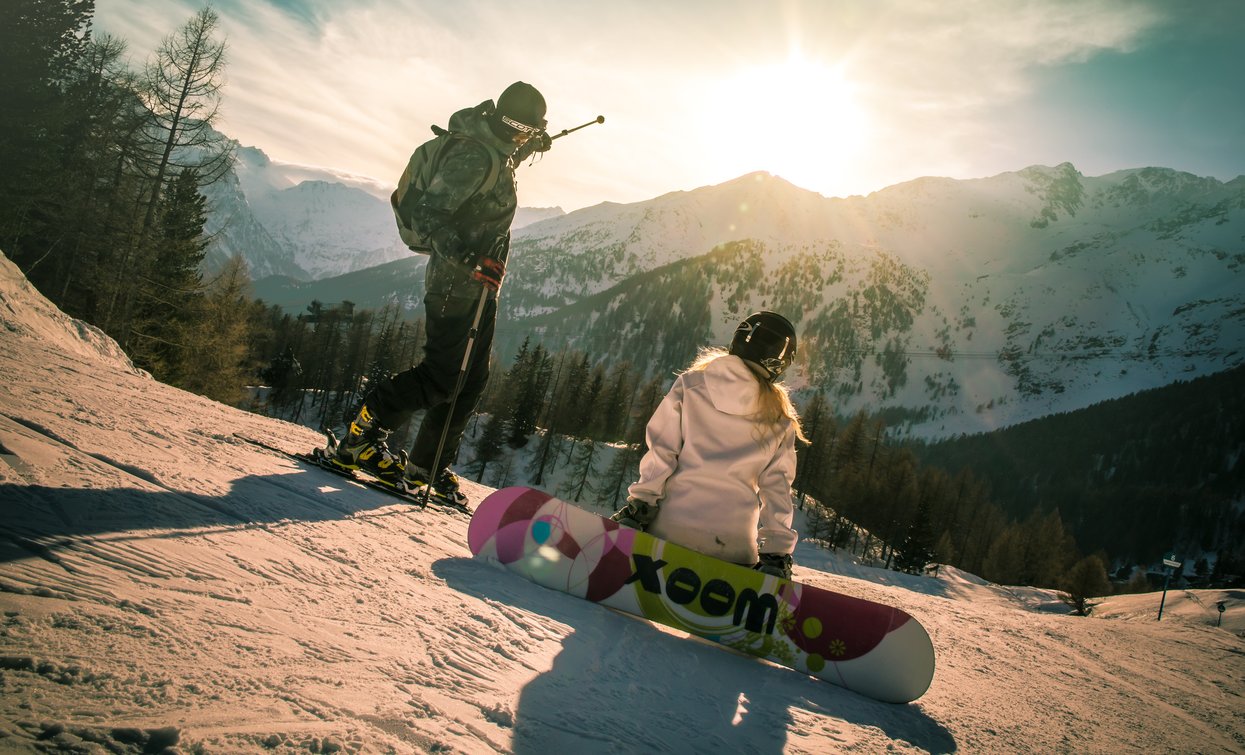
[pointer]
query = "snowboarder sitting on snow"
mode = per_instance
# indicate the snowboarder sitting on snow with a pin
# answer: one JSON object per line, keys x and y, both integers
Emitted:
{"x": 461, "y": 217}
{"x": 721, "y": 453}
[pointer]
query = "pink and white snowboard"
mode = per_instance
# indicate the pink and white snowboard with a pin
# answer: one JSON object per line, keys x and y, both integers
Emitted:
{"x": 873, "y": 649}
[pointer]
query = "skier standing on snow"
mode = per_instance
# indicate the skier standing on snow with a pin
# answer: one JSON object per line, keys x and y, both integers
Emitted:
{"x": 721, "y": 453}
{"x": 461, "y": 217}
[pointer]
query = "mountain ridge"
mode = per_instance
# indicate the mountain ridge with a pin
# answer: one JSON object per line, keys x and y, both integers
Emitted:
{"x": 963, "y": 304}
{"x": 305, "y": 222}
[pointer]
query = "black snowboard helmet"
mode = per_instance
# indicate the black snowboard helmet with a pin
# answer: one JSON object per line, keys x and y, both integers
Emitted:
{"x": 766, "y": 338}
{"x": 519, "y": 109}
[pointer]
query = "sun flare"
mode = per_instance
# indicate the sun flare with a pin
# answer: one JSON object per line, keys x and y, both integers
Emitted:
{"x": 798, "y": 119}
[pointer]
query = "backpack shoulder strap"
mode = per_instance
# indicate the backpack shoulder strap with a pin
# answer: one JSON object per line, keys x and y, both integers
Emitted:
{"x": 494, "y": 172}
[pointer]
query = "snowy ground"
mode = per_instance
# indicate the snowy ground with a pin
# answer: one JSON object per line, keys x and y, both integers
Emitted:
{"x": 161, "y": 581}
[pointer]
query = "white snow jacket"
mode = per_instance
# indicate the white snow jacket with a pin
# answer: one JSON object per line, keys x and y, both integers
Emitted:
{"x": 715, "y": 476}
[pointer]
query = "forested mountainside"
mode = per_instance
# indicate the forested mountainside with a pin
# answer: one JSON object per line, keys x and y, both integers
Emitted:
{"x": 849, "y": 302}
{"x": 1157, "y": 472}
{"x": 945, "y": 305}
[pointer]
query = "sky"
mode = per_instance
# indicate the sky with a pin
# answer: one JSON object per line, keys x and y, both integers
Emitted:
{"x": 839, "y": 97}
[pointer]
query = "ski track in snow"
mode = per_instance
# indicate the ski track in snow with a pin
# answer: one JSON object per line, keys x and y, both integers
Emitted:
{"x": 158, "y": 574}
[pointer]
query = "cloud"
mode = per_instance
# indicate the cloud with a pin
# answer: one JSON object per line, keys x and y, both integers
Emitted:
{"x": 354, "y": 86}
{"x": 938, "y": 74}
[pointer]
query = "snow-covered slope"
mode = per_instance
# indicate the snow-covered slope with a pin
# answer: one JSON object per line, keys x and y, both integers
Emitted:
{"x": 26, "y": 316}
{"x": 162, "y": 583}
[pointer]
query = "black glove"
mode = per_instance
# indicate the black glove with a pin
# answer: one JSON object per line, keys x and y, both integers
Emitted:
{"x": 777, "y": 564}
{"x": 541, "y": 142}
{"x": 636, "y": 514}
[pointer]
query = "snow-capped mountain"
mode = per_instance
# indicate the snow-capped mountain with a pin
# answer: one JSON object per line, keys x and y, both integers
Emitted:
{"x": 525, "y": 216}
{"x": 951, "y": 305}
{"x": 305, "y": 222}
{"x": 297, "y": 221}
{"x": 235, "y": 230}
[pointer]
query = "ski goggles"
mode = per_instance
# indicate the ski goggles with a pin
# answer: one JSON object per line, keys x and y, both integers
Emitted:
{"x": 522, "y": 128}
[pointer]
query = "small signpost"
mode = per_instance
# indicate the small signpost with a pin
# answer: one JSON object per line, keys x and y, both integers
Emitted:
{"x": 1170, "y": 563}
{"x": 1222, "y": 608}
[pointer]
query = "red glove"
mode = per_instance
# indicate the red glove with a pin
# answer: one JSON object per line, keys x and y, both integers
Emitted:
{"x": 490, "y": 272}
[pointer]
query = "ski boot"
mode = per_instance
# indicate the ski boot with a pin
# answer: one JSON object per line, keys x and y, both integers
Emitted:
{"x": 445, "y": 488}
{"x": 364, "y": 449}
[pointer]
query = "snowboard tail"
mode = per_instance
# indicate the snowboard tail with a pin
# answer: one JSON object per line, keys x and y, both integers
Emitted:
{"x": 877, "y": 650}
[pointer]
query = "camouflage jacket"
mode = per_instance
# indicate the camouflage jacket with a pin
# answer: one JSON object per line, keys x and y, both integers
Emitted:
{"x": 459, "y": 223}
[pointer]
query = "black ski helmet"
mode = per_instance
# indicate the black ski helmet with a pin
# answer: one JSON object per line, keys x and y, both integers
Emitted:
{"x": 519, "y": 109}
{"x": 766, "y": 338}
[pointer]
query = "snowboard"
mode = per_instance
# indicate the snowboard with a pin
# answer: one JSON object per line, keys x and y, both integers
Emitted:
{"x": 870, "y": 648}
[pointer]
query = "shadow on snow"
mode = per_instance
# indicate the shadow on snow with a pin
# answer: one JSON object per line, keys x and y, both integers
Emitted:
{"x": 621, "y": 684}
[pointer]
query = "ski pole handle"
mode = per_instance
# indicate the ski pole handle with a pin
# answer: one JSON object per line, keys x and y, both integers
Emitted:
{"x": 565, "y": 131}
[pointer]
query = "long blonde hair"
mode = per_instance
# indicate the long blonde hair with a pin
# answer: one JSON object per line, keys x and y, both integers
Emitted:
{"x": 773, "y": 401}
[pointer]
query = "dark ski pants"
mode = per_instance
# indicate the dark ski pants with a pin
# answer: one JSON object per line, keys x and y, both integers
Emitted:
{"x": 430, "y": 384}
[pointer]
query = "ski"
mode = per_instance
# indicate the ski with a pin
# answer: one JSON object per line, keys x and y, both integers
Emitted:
{"x": 317, "y": 458}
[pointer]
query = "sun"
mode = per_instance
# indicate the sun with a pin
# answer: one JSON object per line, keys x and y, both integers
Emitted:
{"x": 799, "y": 119}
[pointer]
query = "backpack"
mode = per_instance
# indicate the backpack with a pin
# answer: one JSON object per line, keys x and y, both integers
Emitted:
{"x": 419, "y": 171}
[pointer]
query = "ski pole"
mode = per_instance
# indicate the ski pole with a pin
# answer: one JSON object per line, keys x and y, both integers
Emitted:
{"x": 458, "y": 387}
{"x": 565, "y": 131}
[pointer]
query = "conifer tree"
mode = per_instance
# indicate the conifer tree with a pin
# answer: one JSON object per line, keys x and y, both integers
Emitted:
{"x": 616, "y": 402}
{"x": 41, "y": 46}
{"x": 588, "y": 417}
{"x": 545, "y": 458}
{"x": 503, "y": 392}
{"x": 918, "y": 545}
{"x": 1048, "y": 549}
{"x": 505, "y": 472}
{"x": 582, "y": 471}
{"x": 529, "y": 380}
{"x": 648, "y": 397}
{"x": 183, "y": 87}
{"x": 944, "y": 550}
{"x": 809, "y": 471}
{"x": 215, "y": 358}
{"x": 171, "y": 295}
{"x": 489, "y": 446}
{"x": 1086, "y": 580}
{"x": 182, "y": 92}
{"x": 568, "y": 398}
{"x": 85, "y": 215}
{"x": 892, "y": 499}
{"x": 623, "y": 469}
{"x": 849, "y": 448}
{"x": 1004, "y": 563}
{"x": 619, "y": 475}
